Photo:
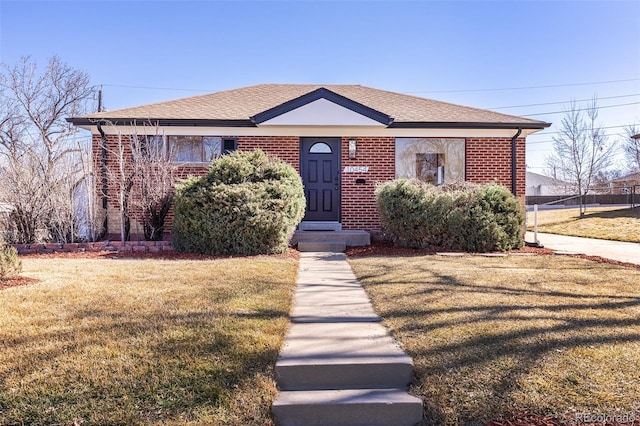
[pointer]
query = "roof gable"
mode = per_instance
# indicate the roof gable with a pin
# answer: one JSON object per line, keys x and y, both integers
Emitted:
{"x": 322, "y": 107}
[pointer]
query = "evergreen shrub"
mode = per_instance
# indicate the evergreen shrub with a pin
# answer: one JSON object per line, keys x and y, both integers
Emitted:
{"x": 10, "y": 264}
{"x": 247, "y": 203}
{"x": 461, "y": 216}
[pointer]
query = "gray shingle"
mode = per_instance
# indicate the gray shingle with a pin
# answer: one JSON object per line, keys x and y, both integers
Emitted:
{"x": 245, "y": 102}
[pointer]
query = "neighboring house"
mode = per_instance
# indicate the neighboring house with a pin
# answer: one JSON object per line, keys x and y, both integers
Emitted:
{"x": 545, "y": 185}
{"x": 626, "y": 184}
{"x": 343, "y": 139}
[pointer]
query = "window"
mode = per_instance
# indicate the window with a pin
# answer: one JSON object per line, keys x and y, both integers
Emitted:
{"x": 320, "y": 148}
{"x": 152, "y": 147}
{"x": 199, "y": 149}
{"x": 433, "y": 160}
{"x": 430, "y": 168}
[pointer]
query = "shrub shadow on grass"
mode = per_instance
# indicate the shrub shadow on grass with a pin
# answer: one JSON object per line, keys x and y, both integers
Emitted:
{"x": 475, "y": 344}
{"x": 131, "y": 366}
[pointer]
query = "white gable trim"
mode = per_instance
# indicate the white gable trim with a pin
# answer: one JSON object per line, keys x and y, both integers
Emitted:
{"x": 321, "y": 112}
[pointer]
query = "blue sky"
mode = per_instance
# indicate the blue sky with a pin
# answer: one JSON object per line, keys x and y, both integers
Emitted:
{"x": 487, "y": 54}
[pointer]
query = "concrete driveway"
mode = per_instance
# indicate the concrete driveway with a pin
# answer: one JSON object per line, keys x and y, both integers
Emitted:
{"x": 616, "y": 250}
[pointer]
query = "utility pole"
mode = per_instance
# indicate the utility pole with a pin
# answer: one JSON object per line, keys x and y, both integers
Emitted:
{"x": 100, "y": 99}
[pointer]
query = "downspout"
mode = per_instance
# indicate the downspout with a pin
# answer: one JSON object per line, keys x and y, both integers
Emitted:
{"x": 104, "y": 180}
{"x": 514, "y": 161}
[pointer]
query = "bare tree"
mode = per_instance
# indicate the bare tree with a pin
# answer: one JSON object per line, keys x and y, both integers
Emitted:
{"x": 144, "y": 175}
{"x": 581, "y": 150}
{"x": 631, "y": 147}
{"x": 39, "y": 160}
{"x": 155, "y": 177}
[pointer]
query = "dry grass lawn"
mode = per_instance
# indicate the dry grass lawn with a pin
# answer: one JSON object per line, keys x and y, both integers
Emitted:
{"x": 143, "y": 342}
{"x": 495, "y": 336}
{"x": 608, "y": 223}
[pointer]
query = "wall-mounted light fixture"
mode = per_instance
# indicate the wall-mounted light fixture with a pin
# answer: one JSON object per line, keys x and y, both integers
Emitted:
{"x": 352, "y": 148}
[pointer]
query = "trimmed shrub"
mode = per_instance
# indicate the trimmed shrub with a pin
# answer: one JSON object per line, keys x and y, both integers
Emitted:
{"x": 248, "y": 203}
{"x": 459, "y": 216}
{"x": 10, "y": 264}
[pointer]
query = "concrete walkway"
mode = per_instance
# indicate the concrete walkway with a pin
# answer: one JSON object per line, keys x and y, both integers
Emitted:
{"x": 615, "y": 250}
{"x": 338, "y": 364}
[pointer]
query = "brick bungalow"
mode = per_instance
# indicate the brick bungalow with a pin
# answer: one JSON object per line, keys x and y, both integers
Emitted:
{"x": 341, "y": 138}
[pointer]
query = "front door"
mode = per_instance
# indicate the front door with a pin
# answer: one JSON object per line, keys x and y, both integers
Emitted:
{"x": 320, "y": 170}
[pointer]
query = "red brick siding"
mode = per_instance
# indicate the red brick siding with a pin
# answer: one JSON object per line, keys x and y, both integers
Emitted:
{"x": 359, "y": 211}
{"x": 489, "y": 160}
{"x": 486, "y": 160}
{"x": 286, "y": 148}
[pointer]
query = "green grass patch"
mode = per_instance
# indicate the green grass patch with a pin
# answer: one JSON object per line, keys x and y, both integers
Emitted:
{"x": 142, "y": 342}
{"x": 607, "y": 223}
{"x": 496, "y": 336}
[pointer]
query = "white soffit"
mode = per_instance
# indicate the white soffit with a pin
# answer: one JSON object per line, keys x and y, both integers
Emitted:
{"x": 321, "y": 112}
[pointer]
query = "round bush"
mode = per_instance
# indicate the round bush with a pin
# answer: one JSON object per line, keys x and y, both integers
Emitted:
{"x": 458, "y": 216}
{"x": 248, "y": 203}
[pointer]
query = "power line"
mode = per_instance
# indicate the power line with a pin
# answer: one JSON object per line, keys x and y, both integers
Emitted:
{"x": 607, "y": 127}
{"x": 580, "y": 109}
{"x": 423, "y": 91}
{"x": 530, "y": 87}
{"x": 123, "y": 86}
{"x": 564, "y": 102}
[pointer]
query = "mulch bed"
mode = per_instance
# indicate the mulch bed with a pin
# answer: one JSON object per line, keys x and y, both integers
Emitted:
{"x": 529, "y": 418}
{"x": 18, "y": 281}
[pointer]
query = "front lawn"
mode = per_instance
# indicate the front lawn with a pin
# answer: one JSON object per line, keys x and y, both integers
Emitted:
{"x": 491, "y": 336}
{"x": 143, "y": 341}
{"x": 607, "y": 223}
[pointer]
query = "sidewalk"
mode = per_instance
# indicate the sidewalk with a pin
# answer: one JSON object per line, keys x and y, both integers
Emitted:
{"x": 338, "y": 364}
{"x": 615, "y": 250}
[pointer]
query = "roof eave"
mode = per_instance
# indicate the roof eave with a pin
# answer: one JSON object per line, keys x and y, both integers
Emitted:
{"x": 467, "y": 125}
{"x": 168, "y": 122}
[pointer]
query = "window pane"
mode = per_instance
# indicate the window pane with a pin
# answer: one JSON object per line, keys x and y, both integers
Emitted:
{"x": 410, "y": 164}
{"x": 187, "y": 149}
{"x": 320, "y": 148}
{"x": 430, "y": 168}
{"x": 212, "y": 148}
{"x": 229, "y": 145}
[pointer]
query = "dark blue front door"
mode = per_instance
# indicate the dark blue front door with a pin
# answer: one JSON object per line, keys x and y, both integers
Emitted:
{"x": 320, "y": 170}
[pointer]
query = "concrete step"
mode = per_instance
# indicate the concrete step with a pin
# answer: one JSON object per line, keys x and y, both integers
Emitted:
{"x": 322, "y": 246}
{"x": 372, "y": 407}
{"x": 306, "y": 225}
{"x": 350, "y": 238}
{"x": 357, "y": 355}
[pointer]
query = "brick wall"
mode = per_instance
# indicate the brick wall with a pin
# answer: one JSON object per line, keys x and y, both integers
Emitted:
{"x": 286, "y": 148}
{"x": 487, "y": 160}
{"x": 359, "y": 211}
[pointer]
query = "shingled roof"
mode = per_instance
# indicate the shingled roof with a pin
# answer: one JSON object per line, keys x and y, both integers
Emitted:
{"x": 239, "y": 107}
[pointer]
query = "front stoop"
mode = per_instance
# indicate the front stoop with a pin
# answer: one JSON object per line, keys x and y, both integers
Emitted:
{"x": 338, "y": 365}
{"x": 329, "y": 241}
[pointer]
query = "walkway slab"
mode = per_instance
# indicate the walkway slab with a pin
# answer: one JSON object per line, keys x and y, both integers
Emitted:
{"x": 615, "y": 250}
{"x": 338, "y": 364}
{"x": 328, "y": 291}
{"x": 339, "y": 356}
